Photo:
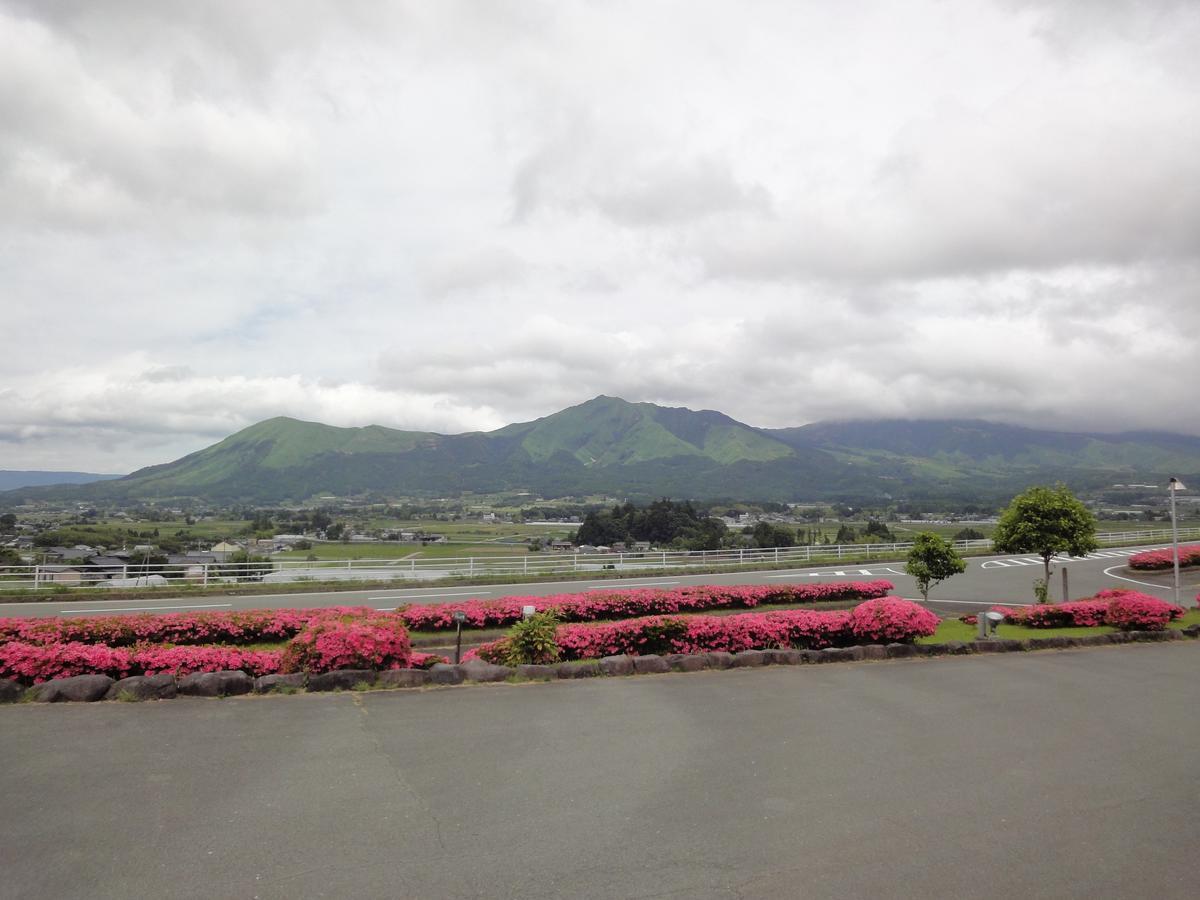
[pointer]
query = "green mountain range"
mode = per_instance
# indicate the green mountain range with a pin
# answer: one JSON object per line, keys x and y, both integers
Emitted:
{"x": 640, "y": 450}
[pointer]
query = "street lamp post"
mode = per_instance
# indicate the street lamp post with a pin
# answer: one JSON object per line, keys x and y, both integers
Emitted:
{"x": 1174, "y": 487}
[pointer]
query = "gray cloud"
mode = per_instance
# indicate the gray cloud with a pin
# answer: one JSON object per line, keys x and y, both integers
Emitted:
{"x": 451, "y": 216}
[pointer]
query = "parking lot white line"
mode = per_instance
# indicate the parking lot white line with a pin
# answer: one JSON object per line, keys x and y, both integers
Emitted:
{"x": 427, "y": 596}
{"x": 1158, "y": 587}
{"x": 608, "y": 586}
{"x": 67, "y": 612}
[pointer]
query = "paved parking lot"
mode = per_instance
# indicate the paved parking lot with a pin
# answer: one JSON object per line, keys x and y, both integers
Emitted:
{"x": 1055, "y": 774}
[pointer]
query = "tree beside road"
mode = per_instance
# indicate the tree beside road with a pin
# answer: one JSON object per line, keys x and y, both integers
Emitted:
{"x": 1046, "y": 521}
{"x": 931, "y": 560}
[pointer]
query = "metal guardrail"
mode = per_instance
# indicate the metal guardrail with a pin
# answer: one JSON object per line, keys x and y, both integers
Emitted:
{"x": 289, "y": 571}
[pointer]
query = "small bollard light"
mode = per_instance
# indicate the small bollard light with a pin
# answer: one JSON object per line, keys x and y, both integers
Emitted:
{"x": 988, "y": 623}
{"x": 528, "y": 611}
{"x": 459, "y": 618}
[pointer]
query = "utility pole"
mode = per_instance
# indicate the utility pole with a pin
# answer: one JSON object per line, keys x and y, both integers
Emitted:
{"x": 1173, "y": 488}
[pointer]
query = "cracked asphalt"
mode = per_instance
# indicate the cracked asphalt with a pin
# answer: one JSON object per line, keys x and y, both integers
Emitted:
{"x": 1051, "y": 774}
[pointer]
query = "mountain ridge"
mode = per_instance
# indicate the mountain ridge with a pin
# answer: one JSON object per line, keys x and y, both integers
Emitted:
{"x": 610, "y": 445}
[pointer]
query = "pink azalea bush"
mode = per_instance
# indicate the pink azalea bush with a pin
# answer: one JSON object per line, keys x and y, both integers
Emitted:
{"x": 1134, "y": 611}
{"x": 624, "y": 604}
{"x": 348, "y": 642}
{"x": 1120, "y": 608}
{"x": 203, "y": 627}
{"x": 35, "y": 663}
{"x": 35, "y": 650}
{"x": 890, "y": 619}
{"x": 1189, "y": 555}
{"x": 803, "y": 628}
{"x": 151, "y": 660}
{"x": 1076, "y": 613}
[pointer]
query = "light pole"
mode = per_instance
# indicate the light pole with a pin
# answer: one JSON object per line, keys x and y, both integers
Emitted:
{"x": 1174, "y": 487}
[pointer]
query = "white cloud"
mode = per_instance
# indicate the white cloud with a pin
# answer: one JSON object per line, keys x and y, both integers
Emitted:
{"x": 451, "y": 216}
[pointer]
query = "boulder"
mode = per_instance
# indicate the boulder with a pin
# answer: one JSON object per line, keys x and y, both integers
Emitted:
{"x": 686, "y": 662}
{"x": 616, "y": 665}
{"x": 445, "y": 673}
{"x": 874, "y": 651}
{"x": 10, "y": 691}
{"x": 535, "y": 672}
{"x": 76, "y": 689}
{"x": 809, "y": 657}
{"x": 786, "y": 657}
{"x": 719, "y": 659}
{"x": 1048, "y": 643}
{"x": 478, "y": 670}
{"x": 402, "y": 678}
{"x": 997, "y": 645}
{"x": 650, "y": 664}
{"x": 143, "y": 687}
{"x": 958, "y": 648}
{"x": 264, "y": 684}
{"x": 341, "y": 679}
{"x": 215, "y": 684}
{"x": 836, "y": 654}
{"x": 588, "y": 668}
{"x": 747, "y": 659}
{"x": 1192, "y": 631}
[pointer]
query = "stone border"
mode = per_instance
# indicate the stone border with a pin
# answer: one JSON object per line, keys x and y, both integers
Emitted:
{"x": 90, "y": 688}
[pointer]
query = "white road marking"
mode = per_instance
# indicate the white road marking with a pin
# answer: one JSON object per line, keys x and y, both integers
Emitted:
{"x": 970, "y": 602}
{"x": 426, "y": 596}
{"x": 67, "y": 612}
{"x": 608, "y": 586}
{"x": 1157, "y": 587}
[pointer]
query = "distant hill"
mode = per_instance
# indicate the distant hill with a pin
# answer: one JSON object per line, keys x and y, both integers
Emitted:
{"x": 17, "y": 478}
{"x": 641, "y": 450}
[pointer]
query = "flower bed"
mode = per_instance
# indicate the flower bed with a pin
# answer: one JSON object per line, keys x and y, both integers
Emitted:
{"x": 318, "y": 640}
{"x": 888, "y": 619}
{"x": 234, "y": 627}
{"x": 625, "y": 604}
{"x": 1189, "y": 555}
{"x": 1127, "y": 610}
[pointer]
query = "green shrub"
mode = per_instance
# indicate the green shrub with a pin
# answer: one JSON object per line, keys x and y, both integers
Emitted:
{"x": 532, "y": 641}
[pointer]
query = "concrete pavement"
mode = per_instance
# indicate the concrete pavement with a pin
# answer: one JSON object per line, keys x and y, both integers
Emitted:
{"x": 1054, "y": 774}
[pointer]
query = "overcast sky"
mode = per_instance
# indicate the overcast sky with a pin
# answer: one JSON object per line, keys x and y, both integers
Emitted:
{"x": 454, "y": 215}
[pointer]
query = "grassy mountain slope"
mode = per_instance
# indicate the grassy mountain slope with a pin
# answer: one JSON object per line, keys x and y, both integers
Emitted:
{"x": 642, "y": 450}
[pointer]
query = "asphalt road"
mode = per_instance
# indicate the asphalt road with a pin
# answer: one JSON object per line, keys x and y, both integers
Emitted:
{"x": 988, "y": 580}
{"x": 1054, "y": 774}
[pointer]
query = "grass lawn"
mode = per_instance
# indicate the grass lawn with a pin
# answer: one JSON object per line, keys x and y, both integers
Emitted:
{"x": 954, "y": 630}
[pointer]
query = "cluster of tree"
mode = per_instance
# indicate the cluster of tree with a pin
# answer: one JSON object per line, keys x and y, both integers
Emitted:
{"x": 873, "y": 532}
{"x": 663, "y": 523}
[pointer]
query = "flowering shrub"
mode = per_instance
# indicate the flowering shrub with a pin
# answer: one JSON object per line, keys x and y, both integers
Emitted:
{"x": 233, "y": 627}
{"x": 747, "y": 631}
{"x": 364, "y": 642}
{"x": 152, "y": 660}
{"x": 1079, "y": 613}
{"x": 1131, "y": 611}
{"x": 891, "y": 619}
{"x": 1189, "y": 555}
{"x": 35, "y": 663}
{"x": 624, "y": 604}
{"x": 1116, "y": 606}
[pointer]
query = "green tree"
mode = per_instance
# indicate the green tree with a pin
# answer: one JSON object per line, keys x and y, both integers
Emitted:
{"x": 8, "y": 520}
{"x": 932, "y": 559}
{"x": 1046, "y": 521}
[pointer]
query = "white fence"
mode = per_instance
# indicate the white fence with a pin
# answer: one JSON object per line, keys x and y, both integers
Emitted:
{"x": 287, "y": 571}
